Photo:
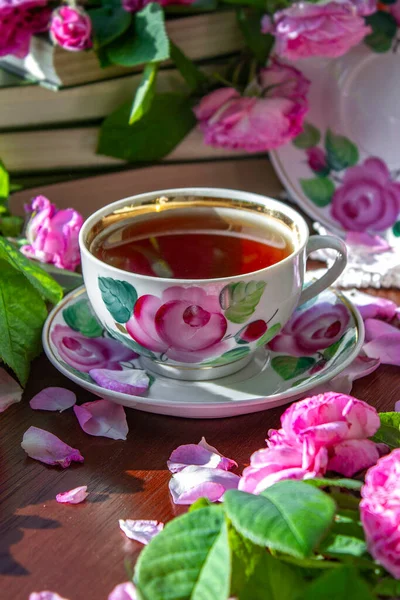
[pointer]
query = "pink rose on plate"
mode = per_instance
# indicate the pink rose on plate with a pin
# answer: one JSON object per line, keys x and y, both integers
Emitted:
{"x": 311, "y": 330}
{"x": 380, "y": 512}
{"x": 317, "y": 161}
{"x": 186, "y": 324}
{"x": 19, "y": 21}
{"x": 306, "y": 29}
{"x": 53, "y": 234}
{"x": 71, "y": 28}
{"x": 85, "y": 354}
{"x": 270, "y": 115}
{"x": 368, "y": 198}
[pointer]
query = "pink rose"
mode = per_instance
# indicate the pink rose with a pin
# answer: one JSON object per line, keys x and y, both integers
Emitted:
{"x": 53, "y": 234}
{"x": 268, "y": 117}
{"x": 186, "y": 324}
{"x": 394, "y": 10}
{"x": 85, "y": 354}
{"x": 305, "y": 29}
{"x": 368, "y": 198}
{"x": 313, "y": 329}
{"x": 71, "y": 28}
{"x": 317, "y": 161}
{"x": 19, "y": 20}
{"x": 380, "y": 512}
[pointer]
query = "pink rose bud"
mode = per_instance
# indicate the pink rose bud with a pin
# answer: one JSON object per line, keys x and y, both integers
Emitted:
{"x": 70, "y": 28}
{"x": 317, "y": 161}
{"x": 253, "y": 331}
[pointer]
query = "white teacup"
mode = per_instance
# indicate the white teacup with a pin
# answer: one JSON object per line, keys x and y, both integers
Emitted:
{"x": 197, "y": 329}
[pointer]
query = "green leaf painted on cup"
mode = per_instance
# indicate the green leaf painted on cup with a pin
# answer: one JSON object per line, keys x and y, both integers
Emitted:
{"x": 329, "y": 352}
{"x": 145, "y": 93}
{"x": 396, "y": 229}
{"x": 318, "y": 189}
{"x": 119, "y": 297}
{"x": 279, "y": 518}
{"x": 80, "y": 374}
{"x": 389, "y": 431}
{"x": 268, "y": 335}
{"x": 340, "y": 151}
{"x": 230, "y": 356}
{"x": 189, "y": 558}
{"x": 308, "y": 138}
{"x": 289, "y": 367}
{"x": 79, "y": 317}
{"x": 239, "y": 300}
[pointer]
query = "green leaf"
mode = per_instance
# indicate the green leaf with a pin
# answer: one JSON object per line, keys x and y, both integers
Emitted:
{"x": 239, "y": 300}
{"x": 193, "y": 76}
{"x": 245, "y": 557}
{"x": 279, "y": 518}
{"x": 318, "y": 189}
{"x": 4, "y": 181}
{"x": 396, "y": 229}
{"x": 330, "y": 352}
{"x": 259, "y": 43}
{"x": 167, "y": 122}
{"x": 345, "y": 501}
{"x": 119, "y": 297}
{"x": 388, "y": 587}
{"x": 47, "y": 287}
{"x": 338, "y": 584}
{"x": 308, "y": 138}
{"x": 384, "y": 29}
{"x": 268, "y": 335}
{"x": 80, "y": 374}
{"x": 144, "y": 41}
{"x": 340, "y": 151}
{"x": 189, "y": 559}
{"x": 389, "y": 431}
{"x": 144, "y": 94}
{"x": 128, "y": 341}
{"x": 289, "y": 367}
{"x": 348, "y": 484}
{"x": 79, "y": 316}
{"x": 255, "y": 3}
{"x": 230, "y": 356}
{"x": 200, "y": 503}
{"x": 22, "y": 314}
{"x": 273, "y": 580}
{"x": 109, "y": 23}
{"x": 11, "y": 226}
{"x": 343, "y": 546}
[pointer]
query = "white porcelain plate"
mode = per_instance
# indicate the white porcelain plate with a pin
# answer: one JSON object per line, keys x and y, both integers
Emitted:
{"x": 75, "y": 342}
{"x": 354, "y": 116}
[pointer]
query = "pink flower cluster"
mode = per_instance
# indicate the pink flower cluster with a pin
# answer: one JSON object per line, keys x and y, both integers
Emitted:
{"x": 323, "y": 433}
{"x": 306, "y": 29}
{"x": 71, "y": 28}
{"x": 53, "y": 234}
{"x": 380, "y": 512}
{"x": 271, "y": 114}
{"x": 19, "y": 21}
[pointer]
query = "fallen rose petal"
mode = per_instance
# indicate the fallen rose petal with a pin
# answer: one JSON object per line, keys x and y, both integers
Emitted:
{"x": 374, "y": 328}
{"x": 352, "y": 456}
{"x": 140, "y": 530}
{"x": 386, "y": 348}
{"x": 195, "y": 482}
{"x": 53, "y": 398}
{"x": 360, "y": 367}
{"x": 47, "y": 596}
{"x": 10, "y": 390}
{"x": 201, "y": 454}
{"x": 78, "y": 494}
{"x": 103, "y": 418}
{"x": 397, "y": 406}
{"x": 372, "y": 307}
{"x": 123, "y": 591}
{"x": 130, "y": 381}
{"x": 372, "y": 243}
{"x": 48, "y": 448}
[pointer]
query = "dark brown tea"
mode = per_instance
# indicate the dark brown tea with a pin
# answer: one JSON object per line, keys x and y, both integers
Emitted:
{"x": 194, "y": 243}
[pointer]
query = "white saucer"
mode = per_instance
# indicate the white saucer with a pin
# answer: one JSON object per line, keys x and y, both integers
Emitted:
{"x": 258, "y": 386}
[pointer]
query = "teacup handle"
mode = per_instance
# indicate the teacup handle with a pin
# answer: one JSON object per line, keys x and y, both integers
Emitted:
{"x": 317, "y": 242}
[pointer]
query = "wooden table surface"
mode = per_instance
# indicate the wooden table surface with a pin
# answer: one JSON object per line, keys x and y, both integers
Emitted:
{"x": 79, "y": 551}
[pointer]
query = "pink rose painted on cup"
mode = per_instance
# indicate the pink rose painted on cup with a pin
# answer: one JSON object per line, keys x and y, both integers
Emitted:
{"x": 271, "y": 115}
{"x": 85, "y": 354}
{"x": 305, "y": 29}
{"x": 368, "y": 198}
{"x": 186, "y": 324}
{"x": 311, "y": 330}
{"x": 380, "y": 512}
{"x": 71, "y": 28}
{"x": 19, "y": 21}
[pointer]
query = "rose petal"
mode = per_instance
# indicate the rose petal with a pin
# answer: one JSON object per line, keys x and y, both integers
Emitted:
{"x": 201, "y": 454}
{"x": 386, "y": 348}
{"x": 140, "y": 530}
{"x": 46, "y": 596}
{"x": 53, "y": 398}
{"x": 374, "y": 328}
{"x": 372, "y": 243}
{"x": 10, "y": 390}
{"x": 103, "y": 418}
{"x": 130, "y": 381}
{"x": 195, "y": 482}
{"x": 78, "y": 494}
{"x": 123, "y": 591}
{"x": 360, "y": 367}
{"x": 48, "y": 448}
{"x": 372, "y": 307}
{"x": 352, "y": 456}
{"x": 397, "y": 406}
